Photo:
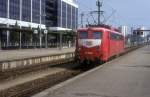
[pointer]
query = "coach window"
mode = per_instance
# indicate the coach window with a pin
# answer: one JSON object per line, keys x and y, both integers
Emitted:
{"x": 83, "y": 35}
{"x": 97, "y": 35}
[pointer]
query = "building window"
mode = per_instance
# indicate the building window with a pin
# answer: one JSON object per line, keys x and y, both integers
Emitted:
{"x": 43, "y": 15}
{"x": 76, "y": 20}
{"x": 68, "y": 16}
{"x": 15, "y": 9}
{"x": 51, "y": 11}
{"x": 26, "y": 10}
{"x": 64, "y": 14}
{"x": 3, "y": 8}
{"x": 73, "y": 17}
{"x": 35, "y": 11}
{"x": 59, "y": 13}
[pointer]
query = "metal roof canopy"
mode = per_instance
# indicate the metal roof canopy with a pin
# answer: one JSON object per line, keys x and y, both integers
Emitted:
{"x": 71, "y": 32}
{"x": 18, "y": 29}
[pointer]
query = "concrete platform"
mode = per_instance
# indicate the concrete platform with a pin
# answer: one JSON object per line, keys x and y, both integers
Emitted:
{"x": 126, "y": 76}
{"x": 6, "y": 55}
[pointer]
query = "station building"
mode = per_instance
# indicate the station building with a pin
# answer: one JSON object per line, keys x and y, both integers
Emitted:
{"x": 64, "y": 16}
{"x": 25, "y": 13}
{"x": 19, "y": 19}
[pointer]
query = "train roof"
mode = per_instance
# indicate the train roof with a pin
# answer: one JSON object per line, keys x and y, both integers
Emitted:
{"x": 101, "y": 27}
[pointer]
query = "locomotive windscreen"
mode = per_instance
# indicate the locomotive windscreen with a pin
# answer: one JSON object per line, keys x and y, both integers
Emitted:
{"x": 83, "y": 35}
{"x": 96, "y": 35}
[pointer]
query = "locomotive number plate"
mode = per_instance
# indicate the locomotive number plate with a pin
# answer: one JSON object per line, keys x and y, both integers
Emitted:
{"x": 89, "y": 53}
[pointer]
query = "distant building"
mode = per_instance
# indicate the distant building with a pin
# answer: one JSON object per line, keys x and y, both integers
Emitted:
{"x": 143, "y": 33}
{"x": 124, "y": 30}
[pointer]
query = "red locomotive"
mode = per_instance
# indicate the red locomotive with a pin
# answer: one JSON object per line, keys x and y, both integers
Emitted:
{"x": 98, "y": 43}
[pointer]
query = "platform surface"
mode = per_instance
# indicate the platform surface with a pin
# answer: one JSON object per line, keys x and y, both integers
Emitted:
{"x": 27, "y": 53}
{"x": 126, "y": 76}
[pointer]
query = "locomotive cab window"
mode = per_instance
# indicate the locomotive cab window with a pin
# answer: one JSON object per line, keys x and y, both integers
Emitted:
{"x": 83, "y": 35}
{"x": 114, "y": 36}
{"x": 96, "y": 35}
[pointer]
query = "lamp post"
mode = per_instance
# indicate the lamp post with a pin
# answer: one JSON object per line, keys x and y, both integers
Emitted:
{"x": 8, "y": 34}
{"x": 99, "y": 5}
{"x": 40, "y": 23}
{"x": 8, "y": 16}
{"x": 60, "y": 41}
{"x": 45, "y": 32}
{"x": 40, "y": 36}
{"x": 40, "y": 33}
{"x": 41, "y": 14}
{"x": 35, "y": 32}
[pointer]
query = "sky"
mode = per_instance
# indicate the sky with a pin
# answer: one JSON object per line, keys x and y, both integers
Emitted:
{"x": 134, "y": 13}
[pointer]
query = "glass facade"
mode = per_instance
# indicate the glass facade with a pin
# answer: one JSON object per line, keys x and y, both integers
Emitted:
{"x": 76, "y": 19}
{"x": 64, "y": 6}
{"x": 3, "y": 8}
{"x": 69, "y": 16}
{"x": 26, "y": 10}
{"x": 59, "y": 13}
{"x": 14, "y": 9}
{"x": 51, "y": 13}
{"x": 43, "y": 13}
{"x": 36, "y": 11}
{"x": 73, "y": 17}
{"x": 54, "y": 13}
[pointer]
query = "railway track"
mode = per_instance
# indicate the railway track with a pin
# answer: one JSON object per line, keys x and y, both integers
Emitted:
{"x": 32, "y": 83}
{"x": 29, "y": 82}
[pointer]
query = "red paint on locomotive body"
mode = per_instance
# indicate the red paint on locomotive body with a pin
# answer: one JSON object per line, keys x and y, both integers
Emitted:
{"x": 98, "y": 43}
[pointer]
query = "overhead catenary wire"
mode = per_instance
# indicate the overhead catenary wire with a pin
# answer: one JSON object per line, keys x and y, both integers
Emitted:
{"x": 118, "y": 18}
{"x": 104, "y": 18}
{"x": 85, "y": 12}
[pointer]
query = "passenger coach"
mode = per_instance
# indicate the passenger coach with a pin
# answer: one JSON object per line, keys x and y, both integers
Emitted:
{"x": 98, "y": 43}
